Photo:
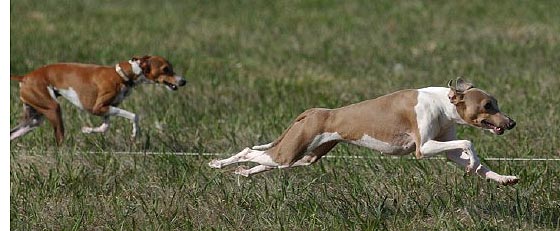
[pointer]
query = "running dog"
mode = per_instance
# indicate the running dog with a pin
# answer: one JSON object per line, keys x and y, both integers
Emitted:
{"x": 93, "y": 88}
{"x": 415, "y": 120}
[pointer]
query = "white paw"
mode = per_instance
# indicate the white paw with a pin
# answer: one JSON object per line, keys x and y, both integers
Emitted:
{"x": 135, "y": 133}
{"x": 470, "y": 169}
{"x": 473, "y": 167}
{"x": 87, "y": 130}
{"x": 241, "y": 170}
{"x": 135, "y": 127}
{"x": 509, "y": 180}
{"x": 215, "y": 164}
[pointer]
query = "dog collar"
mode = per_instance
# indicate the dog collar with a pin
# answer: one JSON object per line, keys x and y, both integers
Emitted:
{"x": 119, "y": 71}
{"x": 136, "y": 69}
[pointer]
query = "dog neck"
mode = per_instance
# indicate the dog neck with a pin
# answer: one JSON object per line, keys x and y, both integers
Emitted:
{"x": 434, "y": 101}
{"x": 136, "y": 72}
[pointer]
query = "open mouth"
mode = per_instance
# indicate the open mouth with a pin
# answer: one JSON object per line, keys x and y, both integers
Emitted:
{"x": 493, "y": 128}
{"x": 170, "y": 86}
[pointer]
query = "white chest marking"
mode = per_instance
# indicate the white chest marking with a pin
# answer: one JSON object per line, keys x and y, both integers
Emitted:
{"x": 434, "y": 112}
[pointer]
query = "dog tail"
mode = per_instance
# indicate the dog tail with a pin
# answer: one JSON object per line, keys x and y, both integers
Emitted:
{"x": 302, "y": 116}
{"x": 18, "y": 78}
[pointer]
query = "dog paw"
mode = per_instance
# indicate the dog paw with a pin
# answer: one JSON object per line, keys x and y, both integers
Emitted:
{"x": 470, "y": 169}
{"x": 87, "y": 130}
{"x": 473, "y": 167}
{"x": 509, "y": 180}
{"x": 135, "y": 134}
{"x": 215, "y": 164}
{"x": 242, "y": 170}
{"x": 135, "y": 131}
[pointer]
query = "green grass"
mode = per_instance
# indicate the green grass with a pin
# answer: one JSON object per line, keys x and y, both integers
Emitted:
{"x": 252, "y": 67}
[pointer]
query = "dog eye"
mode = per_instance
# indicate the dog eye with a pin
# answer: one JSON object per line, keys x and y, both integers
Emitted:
{"x": 166, "y": 70}
{"x": 488, "y": 106}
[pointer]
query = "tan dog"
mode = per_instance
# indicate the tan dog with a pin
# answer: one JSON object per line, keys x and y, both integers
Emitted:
{"x": 93, "y": 88}
{"x": 417, "y": 120}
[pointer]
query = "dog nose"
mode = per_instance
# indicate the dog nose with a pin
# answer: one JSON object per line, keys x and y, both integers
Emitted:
{"x": 181, "y": 82}
{"x": 511, "y": 124}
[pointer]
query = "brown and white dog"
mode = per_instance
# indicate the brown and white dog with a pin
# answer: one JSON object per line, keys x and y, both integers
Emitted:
{"x": 415, "y": 120}
{"x": 93, "y": 88}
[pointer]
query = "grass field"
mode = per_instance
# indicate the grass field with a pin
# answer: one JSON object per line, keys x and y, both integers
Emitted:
{"x": 252, "y": 66}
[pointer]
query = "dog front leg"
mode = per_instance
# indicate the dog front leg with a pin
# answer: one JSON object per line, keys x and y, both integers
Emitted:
{"x": 115, "y": 111}
{"x": 432, "y": 147}
{"x": 102, "y": 128}
{"x": 463, "y": 160}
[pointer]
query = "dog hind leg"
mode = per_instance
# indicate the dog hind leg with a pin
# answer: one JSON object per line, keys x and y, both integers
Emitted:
{"x": 303, "y": 136}
{"x": 54, "y": 116}
{"x": 233, "y": 159}
{"x": 308, "y": 159}
{"x": 254, "y": 170}
{"x": 24, "y": 128}
{"x": 31, "y": 119}
{"x": 264, "y": 146}
{"x": 37, "y": 96}
{"x": 244, "y": 156}
{"x": 315, "y": 154}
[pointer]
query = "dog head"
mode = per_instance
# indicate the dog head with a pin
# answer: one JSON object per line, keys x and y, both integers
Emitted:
{"x": 155, "y": 69}
{"x": 478, "y": 108}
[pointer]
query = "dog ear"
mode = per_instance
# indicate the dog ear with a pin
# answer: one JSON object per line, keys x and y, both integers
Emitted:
{"x": 458, "y": 91}
{"x": 141, "y": 58}
{"x": 450, "y": 85}
{"x": 455, "y": 96}
{"x": 463, "y": 85}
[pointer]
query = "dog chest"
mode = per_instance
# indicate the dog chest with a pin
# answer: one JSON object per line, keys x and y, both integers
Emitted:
{"x": 123, "y": 93}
